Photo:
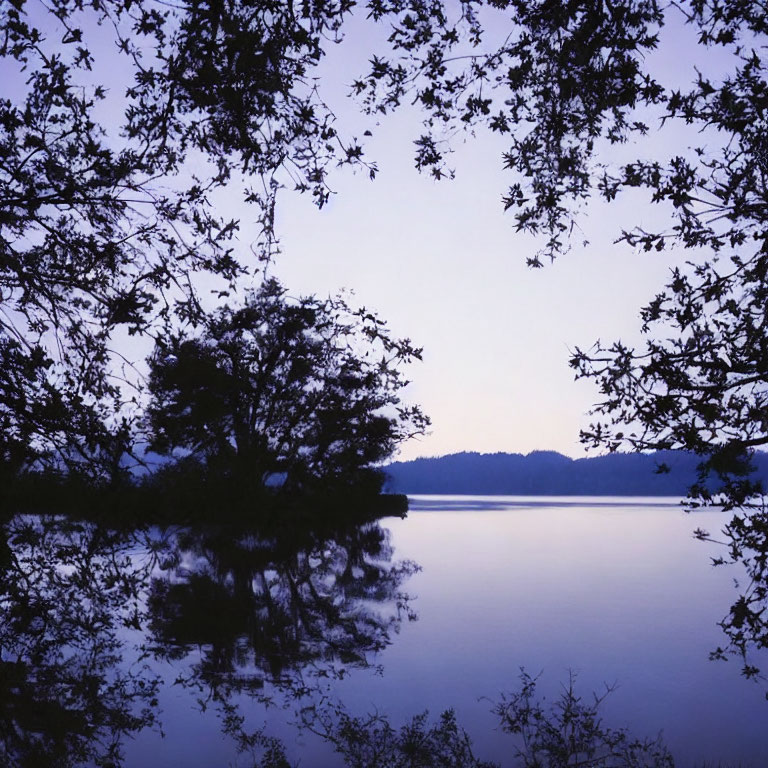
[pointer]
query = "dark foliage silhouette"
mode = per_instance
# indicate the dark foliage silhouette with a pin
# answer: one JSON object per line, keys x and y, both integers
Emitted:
{"x": 105, "y": 221}
{"x": 89, "y": 614}
{"x": 308, "y": 390}
{"x": 566, "y": 733}
{"x": 67, "y": 697}
{"x": 277, "y": 615}
{"x": 107, "y": 184}
{"x": 570, "y": 731}
{"x": 373, "y": 742}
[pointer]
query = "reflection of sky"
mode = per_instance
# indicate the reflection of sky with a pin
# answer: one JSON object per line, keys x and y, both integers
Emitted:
{"x": 459, "y": 503}
{"x": 616, "y": 590}
{"x": 618, "y": 594}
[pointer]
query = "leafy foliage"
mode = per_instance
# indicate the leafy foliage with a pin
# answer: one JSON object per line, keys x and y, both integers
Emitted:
{"x": 108, "y": 213}
{"x": 563, "y": 76}
{"x": 105, "y": 220}
{"x": 107, "y": 188}
{"x": 372, "y": 742}
{"x": 571, "y": 732}
{"x": 746, "y": 624}
{"x": 564, "y": 82}
{"x": 568, "y": 733}
{"x": 309, "y": 389}
{"x": 702, "y": 389}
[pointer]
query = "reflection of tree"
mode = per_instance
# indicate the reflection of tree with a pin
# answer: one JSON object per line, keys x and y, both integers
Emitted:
{"x": 66, "y": 593}
{"x": 242, "y": 609}
{"x": 746, "y": 625}
{"x": 564, "y": 733}
{"x": 267, "y": 611}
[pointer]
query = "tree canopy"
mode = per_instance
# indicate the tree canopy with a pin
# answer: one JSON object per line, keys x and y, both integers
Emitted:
{"x": 122, "y": 120}
{"x": 307, "y": 388}
{"x": 565, "y": 82}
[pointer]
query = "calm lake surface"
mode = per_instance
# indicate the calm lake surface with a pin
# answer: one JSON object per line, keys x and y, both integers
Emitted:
{"x": 615, "y": 590}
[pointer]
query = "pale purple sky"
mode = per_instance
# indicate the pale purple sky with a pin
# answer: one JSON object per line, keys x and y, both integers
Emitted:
{"x": 442, "y": 263}
{"x": 444, "y": 266}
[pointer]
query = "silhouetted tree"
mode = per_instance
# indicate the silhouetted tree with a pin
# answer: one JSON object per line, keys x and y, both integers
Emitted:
{"x": 700, "y": 384}
{"x": 121, "y": 120}
{"x": 308, "y": 388}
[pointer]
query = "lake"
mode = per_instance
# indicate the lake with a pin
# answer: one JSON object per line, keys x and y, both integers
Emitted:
{"x": 209, "y": 639}
{"x": 615, "y": 589}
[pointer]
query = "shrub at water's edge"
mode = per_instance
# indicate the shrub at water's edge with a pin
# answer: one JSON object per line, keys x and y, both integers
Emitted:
{"x": 184, "y": 492}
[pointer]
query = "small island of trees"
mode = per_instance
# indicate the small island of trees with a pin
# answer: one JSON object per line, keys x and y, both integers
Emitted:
{"x": 274, "y": 401}
{"x": 283, "y": 398}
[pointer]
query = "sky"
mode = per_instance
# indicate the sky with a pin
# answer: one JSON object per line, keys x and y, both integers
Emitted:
{"x": 444, "y": 266}
{"x": 441, "y": 261}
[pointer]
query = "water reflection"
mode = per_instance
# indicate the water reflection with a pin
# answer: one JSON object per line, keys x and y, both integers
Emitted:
{"x": 91, "y": 616}
{"x": 267, "y": 611}
{"x": 459, "y": 503}
{"x": 66, "y": 592}
{"x": 102, "y": 629}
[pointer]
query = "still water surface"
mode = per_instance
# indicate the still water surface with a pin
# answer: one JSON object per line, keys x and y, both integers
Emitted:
{"x": 616, "y": 590}
{"x": 203, "y": 636}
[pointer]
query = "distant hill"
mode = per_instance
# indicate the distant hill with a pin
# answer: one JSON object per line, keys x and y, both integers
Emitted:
{"x": 551, "y": 473}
